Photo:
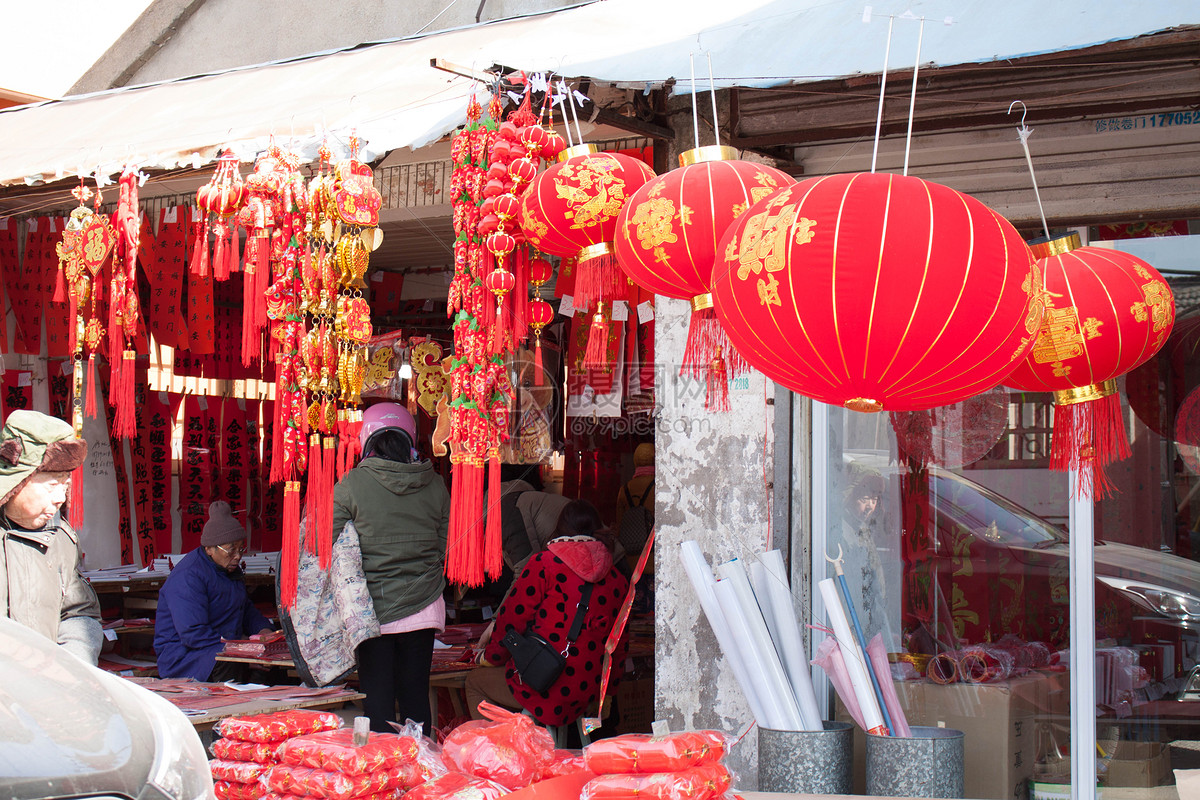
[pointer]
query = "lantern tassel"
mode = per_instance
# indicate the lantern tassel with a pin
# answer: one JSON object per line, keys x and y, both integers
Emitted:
{"x": 538, "y": 378}
{"x": 717, "y": 397}
{"x": 596, "y": 356}
{"x": 598, "y": 277}
{"x": 89, "y": 397}
{"x": 289, "y": 555}
{"x": 199, "y": 263}
{"x": 452, "y": 535}
{"x": 493, "y": 561}
{"x": 60, "y": 285}
{"x": 705, "y": 337}
{"x": 325, "y": 474}
{"x": 251, "y": 341}
{"x": 75, "y": 513}
{"x": 1089, "y": 436}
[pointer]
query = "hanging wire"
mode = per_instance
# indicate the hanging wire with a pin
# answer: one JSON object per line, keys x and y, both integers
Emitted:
{"x": 912, "y": 101}
{"x": 695, "y": 108}
{"x": 887, "y": 52}
{"x": 712, "y": 92}
{"x": 1023, "y": 133}
{"x": 562, "y": 101}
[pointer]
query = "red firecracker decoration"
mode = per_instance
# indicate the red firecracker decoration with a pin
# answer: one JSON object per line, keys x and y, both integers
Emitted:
{"x": 667, "y": 238}
{"x": 878, "y": 292}
{"x": 1106, "y": 313}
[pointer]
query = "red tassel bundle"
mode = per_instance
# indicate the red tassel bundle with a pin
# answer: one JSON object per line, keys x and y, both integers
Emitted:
{"x": 538, "y": 378}
{"x": 325, "y": 484}
{"x": 199, "y": 263}
{"x": 251, "y": 335}
{"x": 312, "y": 498}
{"x": 75, "y": 514}
{"x": 123, "y": 398}
{"x": 464, "y": 559}
{"x": 598, "y": 276}
{"x": 1089, "y": 436}
{"x": 289, "y": 554}
{"x": 493, "y": 559}
{"x": 596, "y": 355}
{"x": 89, "y": 398}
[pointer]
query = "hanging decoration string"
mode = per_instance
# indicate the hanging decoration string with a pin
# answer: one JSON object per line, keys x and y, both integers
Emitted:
{"x": 695, "y": 109}
{"x": 912, "y": 100}
{"x": 887, "y": 52}
{"x": 562, "y": 102}
{"x": 1023, "y": 134}
{"x": 712, "y": 93}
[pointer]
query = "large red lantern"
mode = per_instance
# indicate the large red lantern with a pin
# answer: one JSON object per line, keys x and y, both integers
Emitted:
{"x": 571, "y": 209}
{"x": 667, "y": 238}
{"x": 878, "y": 292}
{"x": 1106, "y": 313}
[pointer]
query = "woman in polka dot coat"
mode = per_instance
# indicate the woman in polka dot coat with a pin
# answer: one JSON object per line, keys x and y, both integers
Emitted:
{"x": 544, "y": 599}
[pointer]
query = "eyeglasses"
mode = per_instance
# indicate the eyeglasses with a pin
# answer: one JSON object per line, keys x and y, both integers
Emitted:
{"x": 236, "y": 550}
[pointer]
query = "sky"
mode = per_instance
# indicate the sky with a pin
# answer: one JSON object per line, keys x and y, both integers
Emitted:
{"x": 56, "y": 41}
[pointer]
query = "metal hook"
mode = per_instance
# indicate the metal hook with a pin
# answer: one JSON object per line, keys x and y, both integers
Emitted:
{"x": 1024, "y": 110}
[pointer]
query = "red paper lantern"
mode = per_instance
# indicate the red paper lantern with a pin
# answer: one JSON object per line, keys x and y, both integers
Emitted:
{"x": 1106, "y": 313}
{"x": 667, "y": 238}
{"x": 540, "y": 271}
{"x": 571, "y": 210}
{"x": 877, "y": 292}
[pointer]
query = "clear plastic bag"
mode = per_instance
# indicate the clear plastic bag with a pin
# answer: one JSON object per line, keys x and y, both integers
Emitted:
{"x": 233, "y": 750}
{"x": 327, "y": 785}
{"x": 336, "y": 751}
{"x": 457, "y": 786}
{"x": 641, "y": 753}
{"x": 236, "y": 771}
{"x": 277, "y": 726}
{"x": 507, "y": 748}
{"x": 702, "y": 782}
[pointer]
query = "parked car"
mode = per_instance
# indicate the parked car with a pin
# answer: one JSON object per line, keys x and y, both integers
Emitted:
{"x": 70, "y": 730}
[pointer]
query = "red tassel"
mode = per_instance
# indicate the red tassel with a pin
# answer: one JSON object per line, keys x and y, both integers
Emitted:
{"x": 199, "y": 262}
{"x": 475, "y": 521}
{"x": 123, "y": 399}
{"x": 538, "y": 378}
{"x": 75, "y": 513}
{"x": 251, "y": 341}
{"x": 452, "y": 532}
{"x": 277, "y": 436}
{"x": 717, "y": 397}
{"x": 498, "y": 328}
{"x": 1089, "y": 436}
{"x": 325, "y": 521}
{"x": 89, "y": 397}
{"x": 598, "y": 277}
{"x": 493, "y": 560}
{"x": 312, "y": 501}
{"x": 596, "y": 356}
{"x": 262, "y": 284}
{"x": 289, "y": 553}
{"x": 60, "y": 285}
{"x": 218, "y": 256}
{"x": 705, "y": 337}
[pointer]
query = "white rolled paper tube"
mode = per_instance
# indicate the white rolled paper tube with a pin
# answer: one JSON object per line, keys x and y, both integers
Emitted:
{"x": 701, "y": 576}
{"x": 791, "y": 643}
{"x": 756, "y": 663}
{"x": 777, "y": 681}
{"x": 855, "y": 659}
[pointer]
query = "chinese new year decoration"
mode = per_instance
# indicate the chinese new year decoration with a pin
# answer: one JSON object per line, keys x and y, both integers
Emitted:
{"x": 878, "y": 292}
{"x": 1106, "y": 313}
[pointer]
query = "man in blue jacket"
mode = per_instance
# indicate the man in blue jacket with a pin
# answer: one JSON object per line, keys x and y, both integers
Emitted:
{"x": 204, "y": 601}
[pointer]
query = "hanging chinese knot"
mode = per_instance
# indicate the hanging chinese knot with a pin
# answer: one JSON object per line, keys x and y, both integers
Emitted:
{"x": 123, "y": 307}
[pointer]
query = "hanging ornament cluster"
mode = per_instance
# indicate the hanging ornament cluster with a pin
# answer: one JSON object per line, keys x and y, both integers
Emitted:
{"x": 124, "y": 306}
{"x": 667, "y": 236}
{"x": 878, "y": 292}
{"x": 1106, "y": 313}
{"x": 220, "y": 199}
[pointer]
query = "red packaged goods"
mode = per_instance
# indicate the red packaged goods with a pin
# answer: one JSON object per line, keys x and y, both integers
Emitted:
{"x": 321, "y": 783}
{"x": 565, "y": 762}
{"x": 277, "y": 726}
{"x": 232, "y": 750}
{"x": 236, "y": 771}
{"x": 335, "y": 750}
{"x": 704, "y": 782}
{"x": 456, "y": 786}
{"x": 641, "y": 753}
{"x": 226, "y": 790}
{"x": 391, "y": 794}
{"x": 508, "y": 748}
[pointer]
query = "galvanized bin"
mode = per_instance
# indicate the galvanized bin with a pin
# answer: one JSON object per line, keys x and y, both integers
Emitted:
{"x": 807, "y": 762}
{"x": 927, "y": 764}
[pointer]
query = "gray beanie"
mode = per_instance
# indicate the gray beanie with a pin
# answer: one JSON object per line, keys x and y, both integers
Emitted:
{"x": 221, "y": 527}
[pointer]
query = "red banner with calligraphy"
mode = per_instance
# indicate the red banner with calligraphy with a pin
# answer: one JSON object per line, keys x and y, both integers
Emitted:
{"x": 162, "y": 410}
{"x": 212, "y": 440}
{"x": 272, "y": 494}
{"x": 58, "y": 315}
{"x": 121, "y": 476}
{"x": 200, "y": 313}
{"x": 8, "y": 255}
{"x": 139, "y": 453}
{"x": 166, "y": 270}
{"x": 195, "y": 480}
{"x": 254, "y": 474}
{"x": 23, "y": 292}
{"x": 234, "y": 461}
{"x": 17, "y": 391}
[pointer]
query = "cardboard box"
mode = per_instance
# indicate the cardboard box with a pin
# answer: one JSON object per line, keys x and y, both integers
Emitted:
{"x": 1139, "y": 764}
{"x": 999, "y": 720}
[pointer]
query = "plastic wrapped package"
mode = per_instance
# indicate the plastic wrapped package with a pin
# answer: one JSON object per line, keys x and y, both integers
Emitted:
{"x": 236, "y": 771}
{"x": 233, "y": 750}
{"x": 507, "y": 748}
{"x": 985, "y": 664}
{"x": 227, "y": 790}
{"x": 277, "y": 726}
{"x": 457, "y": 786}
{"x": 336, "y": 751}
{"x": 702, "y": 782}
{"x": 641, "y": 753}
{"x": 565, "y": 762}
{"x": 327, "y": 785}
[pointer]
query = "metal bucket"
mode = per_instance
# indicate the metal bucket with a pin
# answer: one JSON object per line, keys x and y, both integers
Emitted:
{"x": 807, "y": 762}
{"x": 927, "y": 764}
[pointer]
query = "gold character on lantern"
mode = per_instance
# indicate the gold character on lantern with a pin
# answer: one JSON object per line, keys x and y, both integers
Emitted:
{"x": 1162, "y": 307}
{"x": 596, "y": 192}
{"x": 765, "y": 243}
{"x": 1091, "y": 327}
{"x": 768, "y": 291}
{"x": 652, "y": 222}
{"x": 1060, "y": 338}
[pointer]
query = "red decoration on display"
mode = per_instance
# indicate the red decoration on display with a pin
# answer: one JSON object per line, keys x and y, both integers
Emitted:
{"x": 222, "y": 197}
{"x": 1106, "y": 313}
{"x": 877, "y": 292}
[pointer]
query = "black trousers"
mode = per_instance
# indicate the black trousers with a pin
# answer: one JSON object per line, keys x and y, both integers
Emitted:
{"x": 393, "y": 672}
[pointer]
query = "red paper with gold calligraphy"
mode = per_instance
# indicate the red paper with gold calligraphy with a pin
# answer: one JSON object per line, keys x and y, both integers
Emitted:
{"x": 58, "y": 315}
{"x": 234, "y": 446}
{"x": 195, "y": 482}
{"x": 162, "y": 410}
{"x": 121, "y": 474}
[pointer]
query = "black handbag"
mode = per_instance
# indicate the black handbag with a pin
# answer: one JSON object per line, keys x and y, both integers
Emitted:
{"x": 537, "y": 663}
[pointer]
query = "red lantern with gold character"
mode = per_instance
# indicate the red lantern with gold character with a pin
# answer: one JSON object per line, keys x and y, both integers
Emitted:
{"x": 667, "y": 239}
{"x": 1106, "y": 313}
{"x": 878, "y": 292}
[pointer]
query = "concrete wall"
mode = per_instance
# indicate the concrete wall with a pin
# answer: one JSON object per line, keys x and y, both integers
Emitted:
{"x": 174, "y": 38}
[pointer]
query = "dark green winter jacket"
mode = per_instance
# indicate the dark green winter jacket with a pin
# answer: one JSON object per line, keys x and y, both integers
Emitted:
{"x": 402, "y": 512}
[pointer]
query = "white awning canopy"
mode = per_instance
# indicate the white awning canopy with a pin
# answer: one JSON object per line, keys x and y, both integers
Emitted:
{"x": 390, "y": 96}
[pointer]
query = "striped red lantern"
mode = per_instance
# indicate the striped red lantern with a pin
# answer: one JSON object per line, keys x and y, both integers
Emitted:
{"x": 1106, "y": 313}
{"x": 877, "y": 292}
{"x": 667, "y": 238}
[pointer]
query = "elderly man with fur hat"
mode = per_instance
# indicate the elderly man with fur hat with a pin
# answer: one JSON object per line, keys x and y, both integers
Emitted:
{"x": 40, "y": 583}
{"x": 204, "y": 601}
